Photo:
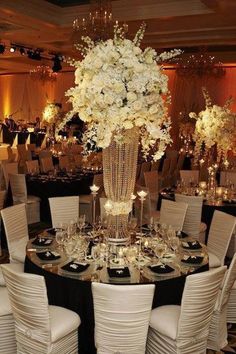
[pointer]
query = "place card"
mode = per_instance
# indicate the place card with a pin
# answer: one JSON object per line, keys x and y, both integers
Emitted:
{"x": 192, "y": 259}
{"x": 48, "y": 255}
{"x": 118, "y": 272}
{"x": 75, "y": 267}
{"x": 161, "y": 268}
{"x": 191, "y": 245}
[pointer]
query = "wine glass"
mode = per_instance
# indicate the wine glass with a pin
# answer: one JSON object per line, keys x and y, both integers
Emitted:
{"x": 160, "y": 250}
{"x": 70, "y": 248}
{"x": 151, "y": 226}
{"x": 133, "y": 224}
{"x": 71, "y": 229}
{"x": 60, "y": 238}
{"x": 81, "y": 223}
{"x": 174, "y": 244}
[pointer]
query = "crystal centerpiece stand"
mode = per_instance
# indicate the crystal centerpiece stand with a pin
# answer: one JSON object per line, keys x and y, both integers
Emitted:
{"x": 119, "y": 174}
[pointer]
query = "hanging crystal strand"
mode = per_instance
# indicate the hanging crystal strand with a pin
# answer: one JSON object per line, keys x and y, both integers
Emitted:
{"x": 119, "y": 173}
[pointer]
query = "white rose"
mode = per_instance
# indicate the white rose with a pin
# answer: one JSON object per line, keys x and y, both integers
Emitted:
{"x": 131, "y": 96}
{"x": 98, "y": 63}
{"x": 153, "y": 109}
{"x": 108, "y": 99}
{"x": 127, "y": 124}
{"x": 137, "y": 105}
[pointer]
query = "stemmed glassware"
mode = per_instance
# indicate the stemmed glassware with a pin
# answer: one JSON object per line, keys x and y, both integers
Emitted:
{"x": 60, "y": 238}
{"x": 81, "y": 223}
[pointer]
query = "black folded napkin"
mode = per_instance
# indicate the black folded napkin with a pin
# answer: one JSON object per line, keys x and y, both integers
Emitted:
{"x": 191, "y": 245}
{"x": 192, "y": 259}
{"x": 118, "y": 272}
{"x": 161, "y": 269}
{"x": 181, "y": 234}
{"x": 53, "y": 231}
{"x": 75, "y": 267}
{"x": 232, "y": 201}
{"x": 42, "y": 241}
{"x": 48, "y": 256}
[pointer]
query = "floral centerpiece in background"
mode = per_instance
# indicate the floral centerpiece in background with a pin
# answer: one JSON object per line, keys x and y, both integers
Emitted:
{"x": 121, "y": 94}
{"x": 50, "y": 116}
{"x": 215, "y": 131}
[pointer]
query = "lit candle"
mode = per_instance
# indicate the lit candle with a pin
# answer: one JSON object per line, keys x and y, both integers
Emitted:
{"x": 142, "y": 194}
{"x": 202, "y": 185}
{"x": 94, "y": 188}
{"x": 133, "y": 196}
{"x": 108, "y": 207}
{"x": 219, "y": 192}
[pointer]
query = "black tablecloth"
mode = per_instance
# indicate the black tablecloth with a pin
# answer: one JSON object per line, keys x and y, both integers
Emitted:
{"x": 76, "y": 295}
{"x": 57, "y": 188}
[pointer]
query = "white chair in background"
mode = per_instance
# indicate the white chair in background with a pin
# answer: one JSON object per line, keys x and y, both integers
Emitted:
{"x": 64, "y": 210}
{"x": 180, "y": 163}
{"x": 155, "y": 165}
{"x": 192, "y": 223}
{"x": 184, "y": 329}
{"x": 122, "y": 315}
{"x": 31, "y": 147}
{"x": 151, "y": 182}
{"x": 189, "y": 176}
{"x": 173, "y": 167}
{"x": 46, "y": 164}
{"x": 23, "y": 156}
{"x": 15, "y": 223}
{"x": 227, "y": 177}
{"x": 173, "y": 213}
{"x": 171, "y": 153}
{"x": 19, "y": 194}
{"x": 32, "y": 166}
{"x": 231, "y": 308}
{"x": 45, "y": 153}
{"x": 39, "y": 328}
{"x": 217, "y": 338}
{"x": 9, "y": 168}
{"x": 220, "y": 233}
{"x": 78, "y": 160}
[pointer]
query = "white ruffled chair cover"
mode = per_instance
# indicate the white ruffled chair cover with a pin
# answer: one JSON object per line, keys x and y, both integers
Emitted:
{"x": 2, "y": 201}
{"x": 221, "y": 230}
{"x": 46, "y": 164}
{"x": 19, "y": 194}
{"x": 15, "y": 223}
{"x": 217, "y": 338}
{"x": 122, "y": 315}
{"x": 32, "y": 166}
{"x": 64, "y": 210}
{"x": 173, "y": 213}
{"x": 184, "y": 329}
{"x": 9, "y": 168}
{"x": 231, "y": 309}
{"x": 192, "y": 222}
{"x": 39, "y": 328}
{"x": 64, "y": 162}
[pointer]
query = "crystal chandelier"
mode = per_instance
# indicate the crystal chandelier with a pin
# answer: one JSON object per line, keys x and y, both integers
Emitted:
{"x": 98, "y": 25}
{"x": 199, "y": 65}
{"x": 43, "y": 73}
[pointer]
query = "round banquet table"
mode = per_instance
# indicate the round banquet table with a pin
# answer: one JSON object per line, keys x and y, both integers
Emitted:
{"x": 45, "y": 187}
{"x": 73, "y": 291}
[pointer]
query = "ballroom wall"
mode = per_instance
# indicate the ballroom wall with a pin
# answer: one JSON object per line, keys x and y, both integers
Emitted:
{"x": 26, "y": 98}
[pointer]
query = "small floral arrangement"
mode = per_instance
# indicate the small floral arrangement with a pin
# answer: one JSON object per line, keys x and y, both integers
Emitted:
{"x": 51, "y": 113}
{"x": 215, "y": 129}
{"x": 119, "y": 86}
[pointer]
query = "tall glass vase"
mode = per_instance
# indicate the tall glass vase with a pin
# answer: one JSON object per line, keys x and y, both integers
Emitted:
{"x": 119, "y": 174}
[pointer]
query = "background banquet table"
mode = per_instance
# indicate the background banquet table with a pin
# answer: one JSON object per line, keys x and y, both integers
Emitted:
{"x": 74, "y": 292}
{"x": 50, "y": 186}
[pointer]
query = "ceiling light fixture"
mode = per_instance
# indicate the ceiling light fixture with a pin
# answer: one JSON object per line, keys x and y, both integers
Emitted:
{"x": 199, "y": 65}
{"x": 98, "y": 25}
{"x": 56, "y": 63}
{"x": 12, "y": 49}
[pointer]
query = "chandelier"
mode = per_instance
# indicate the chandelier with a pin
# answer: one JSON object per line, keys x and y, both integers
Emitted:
{"x": 98, "y": 25}
{"x": 199, "y": 65}
{"x": 43, "y": 73}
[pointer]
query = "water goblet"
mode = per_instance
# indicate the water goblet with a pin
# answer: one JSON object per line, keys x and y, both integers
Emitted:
{"x": 60, "y": 238}
{"x": 81, "y": 223}
{"x": 174, "y": 244}
{"x": 160, "y": 250}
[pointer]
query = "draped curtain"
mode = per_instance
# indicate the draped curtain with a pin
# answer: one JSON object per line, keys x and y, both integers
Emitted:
{"x": 26, "y": 98}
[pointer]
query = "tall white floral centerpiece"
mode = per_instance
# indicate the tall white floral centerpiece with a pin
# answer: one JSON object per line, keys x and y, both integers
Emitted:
{"x": 50, "y": 116}
{"x": 215, "y": 131}
{"x": 119, "y": 93}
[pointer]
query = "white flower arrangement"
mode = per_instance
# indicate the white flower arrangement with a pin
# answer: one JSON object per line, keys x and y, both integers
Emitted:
{"x": 119, "y": 86}
{"x": 50, "y": 113}
{"x": 215, "y": 128}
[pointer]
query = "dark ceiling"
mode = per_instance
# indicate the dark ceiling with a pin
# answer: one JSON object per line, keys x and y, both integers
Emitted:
{"x": 65, "y": 3}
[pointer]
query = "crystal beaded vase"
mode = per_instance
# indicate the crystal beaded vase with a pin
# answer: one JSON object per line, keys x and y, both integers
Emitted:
{"x": 119, "y": 174}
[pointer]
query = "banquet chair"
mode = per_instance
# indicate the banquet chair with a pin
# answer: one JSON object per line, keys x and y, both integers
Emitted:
{"x": 221, "y": 230}
{"x": 64, "y": 162}
{"x": 155, "y": 165}
{"x": 31, "y": 147}
{"x": 173, "y": 165}
{"x": 145, "y": 167}
{"x": 45, "y": 153}
{"x": 171, "y": 153}
{"x": 32, "y": 166}
{"x": 46, "y": 164}
{"x": 151, "y": 182}
{"x": 64, "y": 210}
{"x": 40, "y": 328}
{"x": 78, "y": 160}
{"x": 188, "y": 176}
{"x": 9, "y": 168}
{"x": 122, "y": 315}
{"x": 23, "y": 156}
{"x": 231, "y": 309}
{"x": 227, "y": 178}
{"x": 173, "y": 213}
{"x": 192, "y": 223}
{"x": 19, "y": 194}
{"x": 180, "y": 163}
{"x": 217, "y": 338}
{"x": 16, "y": 229}
{"x": 184, "y": 329}
{"x": 148, "y": 212}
